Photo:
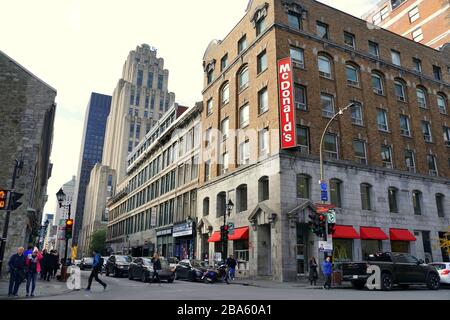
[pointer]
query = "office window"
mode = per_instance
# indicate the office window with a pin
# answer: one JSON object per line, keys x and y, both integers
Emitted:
{"x": 410, "y": 161}
{"x": 208, "y": 137}
{"x": 384, "y": 13}
{"x": 365, "y": 196}
{"x": 442, "y": 103}
{"x": 244, "y": 116}
{"x": 440, "y": 205}
{"x": 224, "y": 163}
{"x": 357, "y": 117}
{"x": 207, "y": 170}
{"x": 335, "y": 192}
{"x": 359, "y": 148}
{"x": 327, "y": 102}
{"x": 260, "y": 26}
{"x": 377, "y": 84}
{"x": 205, "y": 207}
{"x": 324, "y": 66}
{"x": 297, "y": 56}
{"x": 294, "y": 20}
{"x": 140, "y": 76}
{"x": 303, "y": 186}
{"x": 417, "y": 35}
{"x": 417, "y": 199}
{"x": 224, "y": 62}
{"x": 382, "y": 120}
{"x": 300, "y": 97}
{"x": 322, "y": 30}
{"x": 225, "y": 94}
{"x": 224, "y": 128}
{"x": 150, "y": 80}
{"x": 421, "y": 97}
{"x": 417, "y": 65}
{"x": 262, "y": 62}
{"x": 386, "y": 156}
{"x": 404, "y": 126}
{"x": 396, "y": 3}
{"x": 330, "y": 146}
{"x": 376, "y": 19}
{"x": 393, "y": 196}
{"x": 395, "y": 55}
{"x": 399, "y": 91}
{"x": 349, "y": 39}
{"x": 209, "y": 107}
{"x": 209, "y": 76}
{"x": 263, "y": 137}
{"x": 303, "y": 139}
{"x": 426, "y": 130}
{"x": 160, "y": 81}
{"x": 432, "y": 167}
{"x": 243, "y": 78}
{"x": 263, "y": 100}
{"x": 352, "y": 75}
{"x": 242, "y": 44}
{"x": 437, "y": 73}
{"x": 413, "y": 14}
{"x": 244, "y": 152}
{"x": 446, "y": 131}
{"x": 374, "y": 49}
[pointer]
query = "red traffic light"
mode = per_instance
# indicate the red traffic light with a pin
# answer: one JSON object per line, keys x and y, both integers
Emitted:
{"x": 322, "y": 217}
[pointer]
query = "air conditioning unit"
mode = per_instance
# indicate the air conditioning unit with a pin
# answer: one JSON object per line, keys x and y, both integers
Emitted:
{"x": 304, "y": 149}
{"x": 298, "y": 64}
{"x": 382, "y": 127}
{"x": 427, "y": 138}
{"x": 353, "y": 83}
{"x": 325, "y": 74}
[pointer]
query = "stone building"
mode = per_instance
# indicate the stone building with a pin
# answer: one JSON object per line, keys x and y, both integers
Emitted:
{"x": 27, "y": 108}
{"x": 387, "y": 161}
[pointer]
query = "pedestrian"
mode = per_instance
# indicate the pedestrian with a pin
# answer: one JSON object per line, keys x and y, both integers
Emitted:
{"x": 16, "y": 266}
{"x": 231, "y": 264}
{"x": 313, "y": 275}
{"x": 96, "y": 269}
{"x": 45, "y": 262}
{"x": 327, "y": 271}
{"x": 28, "y": 251}
{"x": 33, "y": 267}
{"x": 53, "y": 263}
{"x": 156, "y": 268}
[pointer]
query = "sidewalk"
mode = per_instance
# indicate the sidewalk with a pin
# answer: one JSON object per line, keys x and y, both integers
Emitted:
{"x": 43, "y": 289}
{"x": 264, "y": 283}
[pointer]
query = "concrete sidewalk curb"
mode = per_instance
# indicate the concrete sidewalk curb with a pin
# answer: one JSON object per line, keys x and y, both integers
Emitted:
{"x": 45, "y": 295}
{"x": 39, "y": 296}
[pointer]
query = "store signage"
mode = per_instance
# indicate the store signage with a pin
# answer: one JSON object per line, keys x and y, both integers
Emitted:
{"x": 164, "y": 232}
{"x": 325, "y": 246}
{"x": 182, "y": 229}
{"x": 287, "y": 108}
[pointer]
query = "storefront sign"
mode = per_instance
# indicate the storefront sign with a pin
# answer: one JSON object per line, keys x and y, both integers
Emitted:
{"x": 182, "y": 229}
{"x": 164, "y": 232}
{"x": 287, "y": 109}
{"x": 325, "y": 246}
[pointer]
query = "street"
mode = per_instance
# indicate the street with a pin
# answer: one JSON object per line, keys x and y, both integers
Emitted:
{"x": 124, "y": 289}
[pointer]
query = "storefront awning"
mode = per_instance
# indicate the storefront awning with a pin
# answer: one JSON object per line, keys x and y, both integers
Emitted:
{"x": 371, "y": 233}
{"x": 215, "y": 237}
{"x": 345, "y": 232}
{"x": 239, "y": 234}
{"x": 401, "y": 235}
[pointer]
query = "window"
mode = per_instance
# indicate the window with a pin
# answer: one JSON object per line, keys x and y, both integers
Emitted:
{"x": 404, "y": 126}
{"x": 262, "y": 62}
{"x": 426, "y": 129}
{"x": 244, "y": 153}
{"x": 377, "y": 84}
{"x": 207, "y": 170}
{"x": 417, "y": 35}
{"x": 263, "y": 188}
{"x": 242, "y": 44}
{"x": 208, "y": 137}
{"x": 241, "y": 198}
{"x": 376, "y": 19}
{"x": 446, "y": 136}
{"x": 330, "y": 146}
{"x": 440, "y": 205}
{"x": 432, "y": 168}
{"x": 437, "y": 73}
{"x": 421, "y": 98}
{"x": 244, "y": 116}
{"x": 386, "y": 156}
{"x": 224, "y": 128}
{"x": 384, "y": 13}
{"x": 382, "y": 120}
{"x": 395, "y": 55}
{"x": 335, "y": 192}
{"x": 263, "y": 100}
{"x": 303, "y": 186}
{"x": 399, "y": 91}
{"x": 359, "y": 148}
{"x": 294, "y": 20}
{"x": 374, "y": 49}
{"x": 417, "y": 199}
{"x": 396, "y": 3}
{"x": 225, "y": 94}
{"x": 224, "y": 62}
{"x": 349, "y": 39}
{"x": 300, "y": 97}
{"x": 140, "y": 76}
{"x": 243, "y": 78}
{"x": 160, "y": 81}
{"x": 209, "y": 107}
{"x": 260, "y": 26}
{"x": 357, "y": 114}
{"x": 324, "y": 67}
{"x": 297, "y": 56}
{"x": 442, "y": 104}
{"x": 224, "y": 163}
{"x": 352, "y": 75}
{"x": 264, "y": 141}
{"x": 150, "y": 80}
{"x": 327, "y": 102}
{"x": 413, "y": 14}
{"x": 205, "y": 207}
{"x": 209, "y": 76}
{"x": 194, "y": 168}
{"x": 417, "y": 65}
{"x": 393, "y": 196}
{"x": 221, "y": 206}
{"x": 365, "y": 196}
{"x": 322, "y": 30}
{"x": 303, "y": 139}
{"x": 410, "y": 161}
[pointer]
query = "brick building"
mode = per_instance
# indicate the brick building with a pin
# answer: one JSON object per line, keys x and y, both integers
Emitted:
{"x": 424, "y": 21}
{"x": 387, "y": 158}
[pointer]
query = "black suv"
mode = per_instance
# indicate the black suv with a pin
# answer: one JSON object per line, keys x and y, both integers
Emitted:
{"x": 118, "y": 265}
{"x": 396, "y": 269}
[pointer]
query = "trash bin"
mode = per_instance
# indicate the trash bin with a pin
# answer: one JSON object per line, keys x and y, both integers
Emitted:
{"x": 336, "y": 278}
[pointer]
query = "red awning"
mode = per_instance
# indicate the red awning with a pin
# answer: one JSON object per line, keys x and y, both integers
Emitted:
{"x": 239, "y": 234}
{"x": 371, "y": 233}
{"x": 401, "y": 235}
{"x": 215, "y": 237}
{"x": 345, "y": 232}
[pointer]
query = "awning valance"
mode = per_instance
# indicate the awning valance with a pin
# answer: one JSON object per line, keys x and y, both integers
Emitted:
{"x": 239, "y": 234}
{"x": 345, "y": 232}
{"x": 215, "y": 237}
{"x": 401, "y": 235}
{"x": 372, "y": 233}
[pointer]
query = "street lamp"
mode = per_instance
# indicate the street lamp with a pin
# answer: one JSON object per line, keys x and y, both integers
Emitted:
{"x": 229, "y": 208}
{"x": 61, "y": 197}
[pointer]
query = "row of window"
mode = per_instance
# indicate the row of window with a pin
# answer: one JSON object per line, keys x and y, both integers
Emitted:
{"x": 150, "y": 79}
{"x": 336, "y": 195}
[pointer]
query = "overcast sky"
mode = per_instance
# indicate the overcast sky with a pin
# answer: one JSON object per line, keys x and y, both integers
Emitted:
{"x": 79, "y": 47}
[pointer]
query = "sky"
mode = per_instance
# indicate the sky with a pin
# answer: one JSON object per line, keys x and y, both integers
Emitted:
{"x": 79, "y": 47}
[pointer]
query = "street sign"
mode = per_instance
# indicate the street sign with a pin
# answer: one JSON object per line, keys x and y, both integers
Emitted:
{"x": 231, "y": 228}
{"x": 323, "y": 186}
{"x": 324, "y": 196}
{"x": 332, "y": 216}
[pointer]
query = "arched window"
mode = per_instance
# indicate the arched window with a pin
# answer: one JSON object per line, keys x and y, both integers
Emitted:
{"x": 400, "y": 92}
{"x": 442, "y": 103}
{"x": 225, "y": 94}
{"x": 440, "y": 205}
{"x": 393, "y": 199}
{"x": 221, "y": 205}
{"x": 366, "y": 203}
{"x": 241, "y": 198}
{"x": 421, "y": 97}
{"x": 335, "y": 192}
{"x": 324, "y": 66}
{"x": 417, "y": 202}
{"x": 303, "y": 186}
{"x": 243, "y": 78}
{"x": 377, "y": 84}
{"x": 205, "y": 207}
{"x": 263, "y": 189}
{"x": 352, "y": 75}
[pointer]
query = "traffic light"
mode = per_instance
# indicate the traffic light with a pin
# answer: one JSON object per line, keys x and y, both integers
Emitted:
{"x": 15, "y": 196}
{"x": 224, "y": 233}
{"x": 322, "y": 224}
{"x": 3, "y": 198}
{"x": 69, "y": 227}
{"x": 315, "y": 224}
{"x": 331, "y": 228}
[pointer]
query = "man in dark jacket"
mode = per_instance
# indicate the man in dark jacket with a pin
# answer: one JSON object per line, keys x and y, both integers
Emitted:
{"x": 96, "y": 269}
{"x": 231, "y": 264}
{"x": 156, "y": 268}
{"x": 16, "y": 266}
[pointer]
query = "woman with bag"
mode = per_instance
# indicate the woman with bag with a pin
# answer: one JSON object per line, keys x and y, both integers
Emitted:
{"x": 33, "y": 267}
{"x": 313, "y": 275}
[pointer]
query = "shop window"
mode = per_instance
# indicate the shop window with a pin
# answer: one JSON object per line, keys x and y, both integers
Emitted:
{"x": 370, "y": 247}
{"x": 343, "y": 250}
{"x": 241, "y": 198}
{"x": 400, "y": 246}
{"x": 263, "y": 189}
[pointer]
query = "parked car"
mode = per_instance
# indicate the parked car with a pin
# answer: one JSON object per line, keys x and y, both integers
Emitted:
{"x": 118, "y": 265}
{"x": 105, "y": 260}
{"x": 77, "y": 262}
{"x": 142, "y": 268}
{"x": 86, "y": 263}
{"x": 396, "y": 269}
{"x": 444, "y": 271}
{"x": 190, "y": 269}
{"x": 173, "y": 262}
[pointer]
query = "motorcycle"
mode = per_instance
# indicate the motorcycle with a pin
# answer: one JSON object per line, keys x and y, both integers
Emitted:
{"x": 216, "y": 275}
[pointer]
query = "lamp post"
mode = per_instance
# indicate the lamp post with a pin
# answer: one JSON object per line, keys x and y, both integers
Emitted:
{"x": 61, "y": 197}
{"x": 229, "y": 208}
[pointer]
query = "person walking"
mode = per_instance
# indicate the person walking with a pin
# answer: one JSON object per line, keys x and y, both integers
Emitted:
{"x": 45, "y": 265}
{"x": 327, "y": 271}
{"x": 16, "y": 266}
{"x": 33, "y": 267}
{"x": 313, "y": 275}
{"x": 156, "y": 268}
{"x": 55, "y": 264}
{"x": 96, "y": 269}
{"x": 231, "y": 264}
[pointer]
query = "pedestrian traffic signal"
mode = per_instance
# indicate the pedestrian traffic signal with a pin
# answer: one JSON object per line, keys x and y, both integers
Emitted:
{"x": 69, "y": 227}
{"x": 14, "y": 199}
{"x": 3, "y": 198}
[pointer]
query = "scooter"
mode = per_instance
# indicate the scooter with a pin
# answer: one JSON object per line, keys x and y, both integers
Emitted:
{"x": 216, "y": 275}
